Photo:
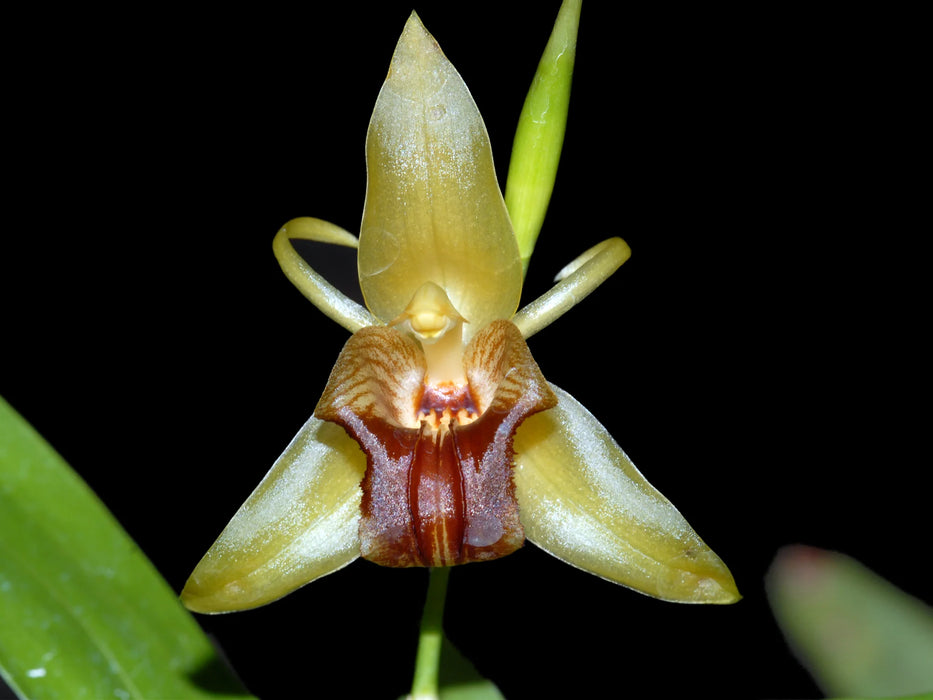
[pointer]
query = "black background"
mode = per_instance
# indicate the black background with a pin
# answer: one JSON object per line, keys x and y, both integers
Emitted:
{"x": 760, "y": 357}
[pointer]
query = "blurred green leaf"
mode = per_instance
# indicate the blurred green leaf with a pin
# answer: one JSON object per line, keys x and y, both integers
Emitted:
{"x": 922, "y": 696}
{"x": 859, "y": 635}
{"x": 539, "y": 137}
{"x": 459, "y": 679}
{"x": 83, "y": 613}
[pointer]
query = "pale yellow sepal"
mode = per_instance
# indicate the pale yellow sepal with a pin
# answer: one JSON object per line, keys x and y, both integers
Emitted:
{"x": 301, "y": 523}
{"x": 434, "y": 211}
{"x": 582, "y": 500}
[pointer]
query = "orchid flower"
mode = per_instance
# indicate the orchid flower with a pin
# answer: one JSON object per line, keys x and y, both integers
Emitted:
{"x": 437, "y": 441}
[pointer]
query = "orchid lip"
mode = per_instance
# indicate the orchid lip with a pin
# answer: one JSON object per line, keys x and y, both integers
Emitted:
{"x": 438, "y": 481}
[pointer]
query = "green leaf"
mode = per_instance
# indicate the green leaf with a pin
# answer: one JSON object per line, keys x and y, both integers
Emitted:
{"x": 540, "y": 133}
{"x": 922, "y": 696}
{"x": 459, "y": 679}
{"x": 441, "y": 671}
{"x": 859, "y": 635}
{"x": 83, "y": 613}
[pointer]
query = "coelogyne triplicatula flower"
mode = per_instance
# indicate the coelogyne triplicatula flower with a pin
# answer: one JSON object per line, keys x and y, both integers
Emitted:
{"x": 437, "y": 440}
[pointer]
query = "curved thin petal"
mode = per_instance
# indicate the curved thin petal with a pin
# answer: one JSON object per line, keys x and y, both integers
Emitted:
{"x": 319, "y": 291}
{"x": 434, "y": 212}
{"x": 301, "y": 523}
{"x": 582, "y": 500}
{"x": 574, "y": 282}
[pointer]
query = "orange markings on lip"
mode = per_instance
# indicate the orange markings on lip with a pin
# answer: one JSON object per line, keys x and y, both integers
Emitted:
{"x": 447, "y": 401}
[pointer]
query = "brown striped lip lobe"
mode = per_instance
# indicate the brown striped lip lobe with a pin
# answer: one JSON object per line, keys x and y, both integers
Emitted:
{"x": 441, "y": 493}
{"x": 436, "y": 497}
{"x": 460, "y": 492}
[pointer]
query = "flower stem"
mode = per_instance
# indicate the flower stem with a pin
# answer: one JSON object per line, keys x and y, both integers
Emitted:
{"x": 428, "y": 659}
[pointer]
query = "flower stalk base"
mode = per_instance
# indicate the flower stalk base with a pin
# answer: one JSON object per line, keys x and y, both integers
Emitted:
{"x": 431, "y": 635}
